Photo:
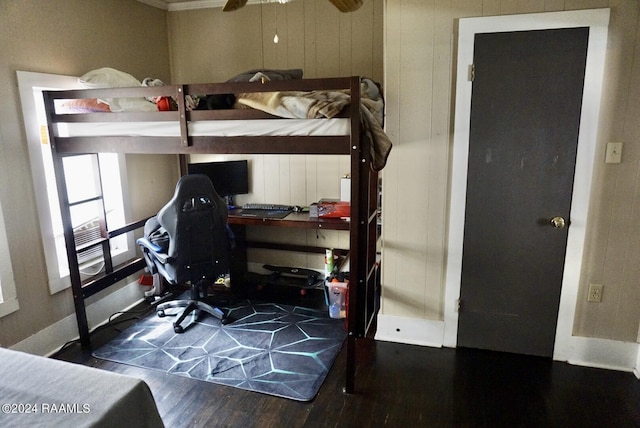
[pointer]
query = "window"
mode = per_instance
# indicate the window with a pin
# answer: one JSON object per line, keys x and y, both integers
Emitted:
{"x": 78, "y": 171}
{"x": 8, "y": 297}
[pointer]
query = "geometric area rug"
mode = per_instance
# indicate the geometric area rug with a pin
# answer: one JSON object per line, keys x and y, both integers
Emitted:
{"x": 275, "y": 349}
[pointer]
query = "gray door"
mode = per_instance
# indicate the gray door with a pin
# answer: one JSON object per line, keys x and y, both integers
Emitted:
{"x": 525, "y": 114}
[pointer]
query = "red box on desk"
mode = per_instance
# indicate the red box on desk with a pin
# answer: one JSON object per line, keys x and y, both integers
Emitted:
{"x": 333, "y": 209}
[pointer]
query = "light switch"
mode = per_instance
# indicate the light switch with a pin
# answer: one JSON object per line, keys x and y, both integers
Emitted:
{"x": 614, "y": 153}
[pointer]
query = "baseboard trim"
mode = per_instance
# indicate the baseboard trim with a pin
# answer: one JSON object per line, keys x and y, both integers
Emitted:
{"x": 50, "y": 339}
{"x": 411, "y": 331}
{"x": 601, "y": 353}
{"x": 581, "y": 351}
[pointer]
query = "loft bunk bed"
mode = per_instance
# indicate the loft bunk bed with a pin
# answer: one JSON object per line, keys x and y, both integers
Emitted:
{"x": 342, "y": 123}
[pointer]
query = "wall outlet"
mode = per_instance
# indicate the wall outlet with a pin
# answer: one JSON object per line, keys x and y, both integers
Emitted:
{"x": 595, "y": 293}
{"x": 614, "y": 153}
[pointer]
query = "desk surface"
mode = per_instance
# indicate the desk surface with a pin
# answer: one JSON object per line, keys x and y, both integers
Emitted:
{"x": 296, "y": 220}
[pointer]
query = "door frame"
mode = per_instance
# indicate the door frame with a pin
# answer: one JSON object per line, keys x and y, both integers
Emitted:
{"x": 597, "y": 20}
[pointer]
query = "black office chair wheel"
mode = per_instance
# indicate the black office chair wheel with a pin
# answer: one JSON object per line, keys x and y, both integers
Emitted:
{"x": 178, "y": 329}
{"x": 225, "y": 321}
{"x": 161, "y": 313}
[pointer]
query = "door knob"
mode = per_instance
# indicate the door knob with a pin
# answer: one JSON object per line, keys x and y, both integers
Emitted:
{"x": 558, "y": 222}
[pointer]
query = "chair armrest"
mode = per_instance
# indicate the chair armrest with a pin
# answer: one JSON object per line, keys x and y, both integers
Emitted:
{"x": 155, "y": 250}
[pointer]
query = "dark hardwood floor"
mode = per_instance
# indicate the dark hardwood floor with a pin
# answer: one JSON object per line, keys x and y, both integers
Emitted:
{"x": 404, "y": 386}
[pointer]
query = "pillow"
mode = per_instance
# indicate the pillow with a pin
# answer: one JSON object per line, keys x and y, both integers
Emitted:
{"x": 107, "y": 77}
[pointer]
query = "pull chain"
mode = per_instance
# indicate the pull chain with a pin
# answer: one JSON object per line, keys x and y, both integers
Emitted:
{"x": 275, "y": 38}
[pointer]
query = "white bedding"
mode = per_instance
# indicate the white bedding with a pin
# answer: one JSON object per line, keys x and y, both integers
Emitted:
{"x": 218, "y": 128}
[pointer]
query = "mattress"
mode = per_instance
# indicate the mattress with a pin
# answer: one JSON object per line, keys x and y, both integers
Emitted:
{"x": 218, "y": 128}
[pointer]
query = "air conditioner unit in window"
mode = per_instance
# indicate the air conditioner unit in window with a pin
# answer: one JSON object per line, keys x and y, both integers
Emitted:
{"x": 84, "y": 234}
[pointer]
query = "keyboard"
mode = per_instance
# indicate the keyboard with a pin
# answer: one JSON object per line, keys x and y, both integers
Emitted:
{"x": 267, "y": 207}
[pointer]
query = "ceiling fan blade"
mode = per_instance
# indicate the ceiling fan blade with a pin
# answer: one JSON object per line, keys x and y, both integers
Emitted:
{"x": 347, "y": 5}
{"x": 232, "y": 5}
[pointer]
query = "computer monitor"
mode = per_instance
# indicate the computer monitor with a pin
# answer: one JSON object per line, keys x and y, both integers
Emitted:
{"x": 228, "y": 177}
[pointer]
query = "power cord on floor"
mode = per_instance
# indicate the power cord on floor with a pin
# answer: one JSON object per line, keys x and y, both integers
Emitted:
{"x": 110, "y": 323}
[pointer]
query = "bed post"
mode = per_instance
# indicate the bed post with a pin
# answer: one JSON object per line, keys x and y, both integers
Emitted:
{"x": 67, "y": 226}
{"x": 355, "y": 233}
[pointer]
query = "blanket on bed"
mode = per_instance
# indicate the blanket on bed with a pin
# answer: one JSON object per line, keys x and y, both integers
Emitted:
{"x": 327, "y": 104}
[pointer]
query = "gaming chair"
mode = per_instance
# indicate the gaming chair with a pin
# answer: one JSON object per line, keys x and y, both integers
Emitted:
{"x": 187, "y": 244}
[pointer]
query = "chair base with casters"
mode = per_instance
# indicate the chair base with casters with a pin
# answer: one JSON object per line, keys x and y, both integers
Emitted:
{"x": 193, "y": 305}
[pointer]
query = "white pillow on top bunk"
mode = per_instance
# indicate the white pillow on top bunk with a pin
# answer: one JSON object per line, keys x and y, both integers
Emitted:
{"x": 107, "y": 77}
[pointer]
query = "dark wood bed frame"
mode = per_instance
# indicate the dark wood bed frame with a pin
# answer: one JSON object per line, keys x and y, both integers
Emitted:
{"x": 363, "y": 230}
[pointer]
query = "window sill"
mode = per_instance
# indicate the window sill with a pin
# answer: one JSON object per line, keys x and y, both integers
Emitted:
{"x": 8, "y": 307}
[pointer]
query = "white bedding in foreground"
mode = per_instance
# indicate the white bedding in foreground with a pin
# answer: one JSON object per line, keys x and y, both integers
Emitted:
{"x": 43, "y": 392}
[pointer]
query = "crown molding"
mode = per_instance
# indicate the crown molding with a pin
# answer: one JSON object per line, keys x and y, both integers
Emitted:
{"x": 155, "y": 3}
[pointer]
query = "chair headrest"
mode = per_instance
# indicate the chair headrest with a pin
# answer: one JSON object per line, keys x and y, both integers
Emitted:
{"x": 192, "y": 185}
{"x": 194, "y": 192}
